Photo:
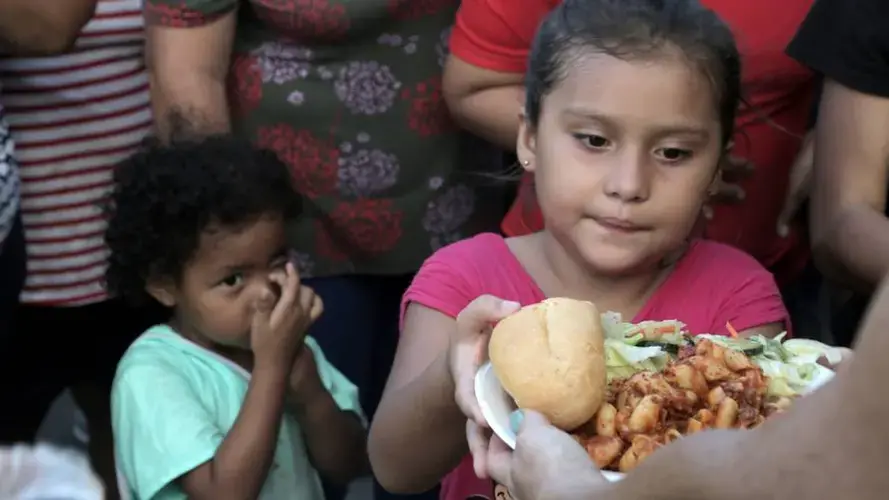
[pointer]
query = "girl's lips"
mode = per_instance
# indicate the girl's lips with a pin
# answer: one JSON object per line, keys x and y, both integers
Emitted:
{"x": 618, "y": 225}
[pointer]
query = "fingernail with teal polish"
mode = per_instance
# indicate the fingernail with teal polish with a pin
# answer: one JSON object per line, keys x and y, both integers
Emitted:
{"x": 515, "y": 420}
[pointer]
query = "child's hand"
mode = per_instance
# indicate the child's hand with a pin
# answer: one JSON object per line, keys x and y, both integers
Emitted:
{"x": 469, "y": 348}
{"x": 305, "y": 382}
{"x": 279, "y": 329}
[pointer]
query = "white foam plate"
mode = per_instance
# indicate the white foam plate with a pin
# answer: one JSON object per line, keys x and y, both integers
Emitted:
{"x": 497, "y": 405}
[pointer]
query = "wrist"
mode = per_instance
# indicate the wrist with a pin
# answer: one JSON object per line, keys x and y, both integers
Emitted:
{"x": 270, "y": 370}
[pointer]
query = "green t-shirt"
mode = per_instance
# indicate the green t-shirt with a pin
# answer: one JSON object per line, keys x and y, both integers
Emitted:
{"x": 173, "y": 403}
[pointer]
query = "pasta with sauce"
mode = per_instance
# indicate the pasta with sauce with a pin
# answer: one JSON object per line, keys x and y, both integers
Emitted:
{"x": 706, "y": 386}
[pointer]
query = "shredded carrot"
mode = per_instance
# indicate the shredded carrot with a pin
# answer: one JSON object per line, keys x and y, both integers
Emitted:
{"x": 731, "y": 330}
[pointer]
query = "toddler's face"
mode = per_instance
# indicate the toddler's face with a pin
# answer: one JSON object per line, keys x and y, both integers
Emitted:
{"x": 228, "y": 273}
{"x": 623, "y": 156}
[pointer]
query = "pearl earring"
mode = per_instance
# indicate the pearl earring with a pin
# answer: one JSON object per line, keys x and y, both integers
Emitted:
{"x": 526, "y": 162}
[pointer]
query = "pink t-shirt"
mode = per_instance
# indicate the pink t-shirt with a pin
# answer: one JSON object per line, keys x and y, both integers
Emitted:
{"x": 712, "y": 284}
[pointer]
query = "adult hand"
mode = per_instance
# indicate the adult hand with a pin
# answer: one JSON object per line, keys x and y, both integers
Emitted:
{"x": 547, "y": 463}
{"x": 468, "y": 349}
{"x": 800, "y": 184}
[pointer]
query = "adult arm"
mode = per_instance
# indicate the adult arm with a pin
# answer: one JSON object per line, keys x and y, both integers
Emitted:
{"x": 42, "y": 27}
{"x": 483, "y": 78}
{"x": 831, "y": 444}
{"x": 418, "y": 406}
{"x": 845, "y": 41}
{"x": 850, "y": 233}
{"x": 485, "y": 102}
{"x": 188, "y": 52}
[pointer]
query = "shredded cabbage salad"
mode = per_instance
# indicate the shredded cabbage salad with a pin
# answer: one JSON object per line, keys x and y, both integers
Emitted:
{"x": 623, "y": 357}
{"x": 792, "y": 366}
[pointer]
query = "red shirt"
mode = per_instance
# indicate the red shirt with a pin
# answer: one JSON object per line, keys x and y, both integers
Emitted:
{"x": 711, "y": 285}
{"x": 493, "y": 34}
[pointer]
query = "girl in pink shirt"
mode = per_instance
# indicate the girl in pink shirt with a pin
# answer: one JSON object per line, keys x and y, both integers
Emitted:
{"x": 629, "y": 108}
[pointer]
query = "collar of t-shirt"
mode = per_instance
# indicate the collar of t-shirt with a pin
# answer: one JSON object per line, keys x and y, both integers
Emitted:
{"x": 166, "y": 334}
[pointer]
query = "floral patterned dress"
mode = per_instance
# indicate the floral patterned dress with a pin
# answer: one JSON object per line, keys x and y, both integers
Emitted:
{"x": 348, "y": 93}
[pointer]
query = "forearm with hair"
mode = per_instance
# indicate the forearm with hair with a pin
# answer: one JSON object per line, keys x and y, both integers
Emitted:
{"x": 418, "y": 433}
{"x": 188, "y": 69}
{"x": 195, "y": 102}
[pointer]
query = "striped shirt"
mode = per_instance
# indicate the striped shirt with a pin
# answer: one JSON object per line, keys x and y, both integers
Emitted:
{"x": 73, "y": 117}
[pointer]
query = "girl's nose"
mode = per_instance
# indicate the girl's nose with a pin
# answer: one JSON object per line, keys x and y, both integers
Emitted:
{"x": 628, "y": 178}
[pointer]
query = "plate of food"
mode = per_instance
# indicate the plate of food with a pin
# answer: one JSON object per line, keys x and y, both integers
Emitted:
{"x": 623, "y": 390}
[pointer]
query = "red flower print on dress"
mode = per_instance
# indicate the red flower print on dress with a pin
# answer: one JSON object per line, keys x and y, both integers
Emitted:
{"x": 410, "y": 10}
{"x": 174, "y": 14}
{"x": 326, "y": 246}
{"x": 368, "y": 226}
{"x": 304, "y": 20}
{"x": 313, "y": 163}
{"x": 244, "y": 84}
{"x": 428, "y": 113}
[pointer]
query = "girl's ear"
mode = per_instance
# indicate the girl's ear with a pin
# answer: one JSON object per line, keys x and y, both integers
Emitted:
{"x": 526, "y": 143}
{"x": 162, "y": 290}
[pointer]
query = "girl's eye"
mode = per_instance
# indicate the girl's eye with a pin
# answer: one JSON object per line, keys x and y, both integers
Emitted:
{"x": 593, "y": 141}
{"x": 233, "y": 280}
{"x": 673, "y": 154}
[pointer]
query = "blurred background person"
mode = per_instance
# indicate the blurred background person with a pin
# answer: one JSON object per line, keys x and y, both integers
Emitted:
{"x": 12, "y": 242}
{"x": 847, "y": 43}
{"x": 77, "y": 104}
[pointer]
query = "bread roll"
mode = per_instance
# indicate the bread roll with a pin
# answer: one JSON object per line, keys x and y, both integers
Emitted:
{"x": 550, "y": 357}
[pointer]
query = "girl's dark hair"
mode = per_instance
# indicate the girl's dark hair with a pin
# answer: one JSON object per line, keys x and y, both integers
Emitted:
{"x": 635, "y": 29}
{"x": 165, "y": 196}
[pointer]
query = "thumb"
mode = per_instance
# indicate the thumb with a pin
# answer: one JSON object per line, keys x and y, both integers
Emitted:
{"x": 483, "y": 311}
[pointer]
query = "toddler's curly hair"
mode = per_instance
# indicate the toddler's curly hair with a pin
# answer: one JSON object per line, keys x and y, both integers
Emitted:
{"x": 166, "y": 196}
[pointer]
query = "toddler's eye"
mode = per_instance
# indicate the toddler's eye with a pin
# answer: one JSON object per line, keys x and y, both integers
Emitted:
{"x": 593, "y": 141}
{"x": 673, "y": 154}
{"x": 233, "y": 280}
